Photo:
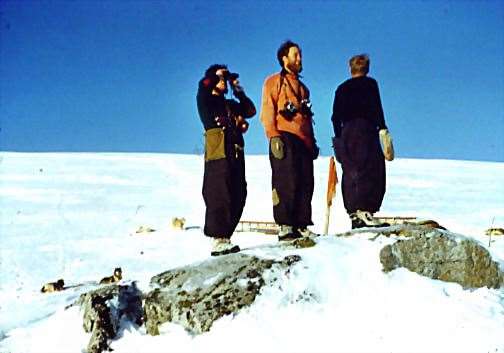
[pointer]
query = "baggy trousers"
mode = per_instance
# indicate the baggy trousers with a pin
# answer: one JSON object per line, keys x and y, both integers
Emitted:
{"x": 363, "y": 166}
{"x": 224, "y": 192}
{"x": 292, "y": 183}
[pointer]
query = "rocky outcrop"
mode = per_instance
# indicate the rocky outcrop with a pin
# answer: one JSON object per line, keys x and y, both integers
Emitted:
{"x": 103, "y": 310}
{"x": 195, "y": 296}
{"x": 442, "y": 255}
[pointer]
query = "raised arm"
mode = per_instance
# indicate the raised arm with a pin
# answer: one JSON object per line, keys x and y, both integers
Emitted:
{"x": 204, "y": 101}
{"x": 246, "y": 106}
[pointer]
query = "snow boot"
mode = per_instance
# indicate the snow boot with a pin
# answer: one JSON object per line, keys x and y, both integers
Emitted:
{"x": 306, "y": 233}
{"x": 288, "y": 233}
{"x": 362, "y": 219}
{"x": 223, "y": 246}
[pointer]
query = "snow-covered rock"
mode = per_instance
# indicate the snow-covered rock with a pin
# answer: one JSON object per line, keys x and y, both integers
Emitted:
{"x": 195, "y": 296}
{"x": 442, "y": 255}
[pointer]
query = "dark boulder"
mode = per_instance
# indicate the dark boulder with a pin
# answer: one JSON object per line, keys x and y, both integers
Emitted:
{"x": 104, "y": 308}
{"x": 195, "y": 296}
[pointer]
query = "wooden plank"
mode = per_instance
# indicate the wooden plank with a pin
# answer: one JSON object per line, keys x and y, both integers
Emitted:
{"x": 258, "y": 226}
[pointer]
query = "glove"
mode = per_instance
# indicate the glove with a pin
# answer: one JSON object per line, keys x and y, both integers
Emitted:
{"x": 386, "y": 143}
{"x": 277, "y": 147}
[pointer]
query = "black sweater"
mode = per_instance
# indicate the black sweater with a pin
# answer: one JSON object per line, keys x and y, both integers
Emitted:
{"x": 358, "y": 97}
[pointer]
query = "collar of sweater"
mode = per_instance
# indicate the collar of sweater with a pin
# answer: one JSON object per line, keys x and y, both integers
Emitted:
{"x": 290, "y": 75}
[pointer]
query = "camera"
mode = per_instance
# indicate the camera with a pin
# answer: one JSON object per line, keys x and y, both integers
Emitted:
{"x": 306, "y": 107}
{"x": 306, "y": 103}
{"x": 289, "y": 110}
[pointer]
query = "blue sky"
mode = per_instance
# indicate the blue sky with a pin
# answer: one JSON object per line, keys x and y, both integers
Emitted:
{"x": 121, "y": 76}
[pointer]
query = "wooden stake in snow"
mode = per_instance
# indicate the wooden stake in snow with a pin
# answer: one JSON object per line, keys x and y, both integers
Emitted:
{"x": 331, "y": 191}
{"x": 490, "y": 234}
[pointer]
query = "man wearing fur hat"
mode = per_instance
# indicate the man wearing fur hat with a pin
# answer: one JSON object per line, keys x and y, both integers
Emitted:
{"x": 287, "y": 119}
{"x": 224, "y": 184}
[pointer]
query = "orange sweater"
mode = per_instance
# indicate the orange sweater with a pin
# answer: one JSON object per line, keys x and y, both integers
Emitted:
{"x": 274, "y": 99}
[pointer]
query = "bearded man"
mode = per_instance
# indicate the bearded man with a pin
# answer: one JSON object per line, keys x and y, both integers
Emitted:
{"x": 288, "y": 122}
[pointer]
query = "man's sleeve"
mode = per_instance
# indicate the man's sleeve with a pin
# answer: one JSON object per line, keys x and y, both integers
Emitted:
{"x": 268, "y": 110}
{"x": 204, "y": 107}
{"x": 246, "y": 106}
{"x": 337, "y": 113}
{"x": 378, "y": 113}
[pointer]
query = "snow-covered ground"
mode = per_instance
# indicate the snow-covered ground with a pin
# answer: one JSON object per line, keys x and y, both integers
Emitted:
{"x": 74, "y": 216}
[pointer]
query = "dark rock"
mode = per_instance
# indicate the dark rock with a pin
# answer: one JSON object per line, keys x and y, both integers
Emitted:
{"x": 195, "y": 296}
{"x": 444, "y": 256}
{"x": 103, "y": 310}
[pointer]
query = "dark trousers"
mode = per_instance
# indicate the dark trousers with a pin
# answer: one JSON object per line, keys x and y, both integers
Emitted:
{"x": 224, "y": 192}
{"x": 363, "y": 167}
{"x": 292, "y": 183}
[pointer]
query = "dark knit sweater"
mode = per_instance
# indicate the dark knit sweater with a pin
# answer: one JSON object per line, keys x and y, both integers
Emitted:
{"x": 358, "y": 97}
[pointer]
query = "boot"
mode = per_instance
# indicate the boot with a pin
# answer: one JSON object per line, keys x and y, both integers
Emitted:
{"x": 223, "y": 246}
{"x": 362, "y": 219}
{"x": 306, "y": 233}
{"x": 288, "y": 233}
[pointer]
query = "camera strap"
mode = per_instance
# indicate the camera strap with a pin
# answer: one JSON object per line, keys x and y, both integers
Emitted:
{"x": 282, "y": 77}
{"x": 296, "y": 94}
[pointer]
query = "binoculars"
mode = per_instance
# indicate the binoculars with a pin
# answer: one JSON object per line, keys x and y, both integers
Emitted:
{"x": 230, "y": 76}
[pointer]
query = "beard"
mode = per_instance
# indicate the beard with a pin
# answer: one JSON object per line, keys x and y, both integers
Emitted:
{"x": 296, "y": 68}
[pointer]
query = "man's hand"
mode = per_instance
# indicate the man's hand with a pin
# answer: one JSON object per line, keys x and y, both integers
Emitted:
{"x": 237, "y": 88}
{"x": 277, "y": 147}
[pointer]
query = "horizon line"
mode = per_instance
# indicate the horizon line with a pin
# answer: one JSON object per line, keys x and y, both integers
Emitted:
{"x": 247, "y": 154}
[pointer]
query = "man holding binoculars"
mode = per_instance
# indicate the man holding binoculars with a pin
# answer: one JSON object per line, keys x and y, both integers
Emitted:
{"x": 287, "y": 119}
{"x": 224, "y": 184}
